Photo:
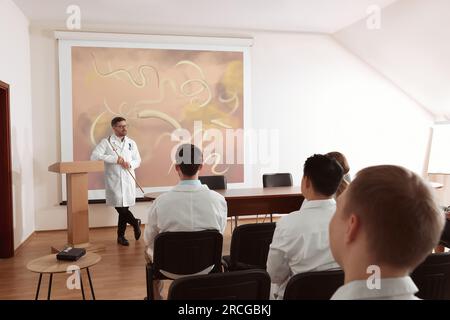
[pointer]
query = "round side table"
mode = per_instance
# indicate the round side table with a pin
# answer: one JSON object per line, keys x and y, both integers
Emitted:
{"x": 50, "y": 265}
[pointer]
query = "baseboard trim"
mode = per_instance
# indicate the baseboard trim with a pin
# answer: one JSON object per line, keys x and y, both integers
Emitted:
{"x": 65, "y": 229}
{"x": 28, "y": 239}
{"x": 143, "y": 224}
{"x": 24, "y": 242}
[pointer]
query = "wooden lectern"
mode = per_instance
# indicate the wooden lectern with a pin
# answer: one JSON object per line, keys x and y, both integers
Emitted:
{"x": 77, "y": 198}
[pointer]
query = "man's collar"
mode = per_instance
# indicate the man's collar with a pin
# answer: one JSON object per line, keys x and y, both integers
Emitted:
{"x": 189, "y": 188}
{"x": 192, "y": 182}
{"x": 389, "y": 288}
{"x": 118, "y": 139}
{"x": 318, "y": 203}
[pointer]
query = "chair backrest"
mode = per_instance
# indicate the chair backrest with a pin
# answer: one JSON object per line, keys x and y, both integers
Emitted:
{"x": 184, "y": 253}
{"x": 277, "y": 180}
{"x": 250, "y": 246}
{"x": 214, "y": 182}
{"x": 239, "y": 285}
{"x": 318, "y": 285}
{"x": 445, "y": 237}
{"x": 432, "y": 277}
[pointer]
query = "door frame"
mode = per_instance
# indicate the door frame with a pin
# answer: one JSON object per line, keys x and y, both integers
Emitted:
{"x": 6, "y": 187}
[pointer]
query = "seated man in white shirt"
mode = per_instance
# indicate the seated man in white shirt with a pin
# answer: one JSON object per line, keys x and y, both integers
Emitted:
{"x": 300, "y": 241}
{"x": 189, "y": 206}
{"x": 386, "y": 223}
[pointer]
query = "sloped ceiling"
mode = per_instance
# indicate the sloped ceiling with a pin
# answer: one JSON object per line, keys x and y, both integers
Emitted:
{"x": 411, "y": 49}
{"x": 324, "y": 16}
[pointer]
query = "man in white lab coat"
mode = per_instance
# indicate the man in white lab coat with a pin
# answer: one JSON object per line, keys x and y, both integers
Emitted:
{"x": 189, "y": 206}
{"x": 300, "y": 241}
{"x": 386, "y": 223}
{"x": 121, "y": 157}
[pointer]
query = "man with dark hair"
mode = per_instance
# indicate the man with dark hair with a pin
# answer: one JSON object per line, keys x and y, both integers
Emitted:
{"x": 300, "y": 241}
{"x": 121, "y": 157}
{"x": 189, "y": 158}
{"x": 116, "y": 120}
{"x": 189, "y": 206}
{"x": 387, "y": 222}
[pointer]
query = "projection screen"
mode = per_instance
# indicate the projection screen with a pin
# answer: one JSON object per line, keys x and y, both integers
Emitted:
{"x": 159, "y": 84}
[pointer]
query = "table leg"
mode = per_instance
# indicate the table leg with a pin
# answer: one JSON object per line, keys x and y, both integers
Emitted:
{"x": 90, "y": 283}
{"x": 81, "y": 283}
{"x": 50, "y": 286}
{"x": 38, "y": 287}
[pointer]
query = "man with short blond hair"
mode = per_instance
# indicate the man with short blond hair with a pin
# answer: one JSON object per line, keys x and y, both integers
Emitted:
{"x": 386, "y": 220}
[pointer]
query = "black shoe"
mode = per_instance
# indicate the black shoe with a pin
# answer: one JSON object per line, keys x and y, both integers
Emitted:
{"x": 137, "y": 229}
{"x": 123, "y": 241}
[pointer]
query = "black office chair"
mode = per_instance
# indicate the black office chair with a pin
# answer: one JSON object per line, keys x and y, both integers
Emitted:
{"x": 217, "y": 183}
{"x": 249, "y": 247}
{"x": 445, "y": 237}
{"x": 184, "y": 253}
{"x": 239, "y": 285}
{"x": 318, "y": 285}
{"x": 432, "y": 277}
{"x": 276, "y": 180}
{"x": 214, "y": 182}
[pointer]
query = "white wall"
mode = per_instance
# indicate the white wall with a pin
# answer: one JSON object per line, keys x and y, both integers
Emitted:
{"x": 15, "y": 70}
{"x": 411, "y": 48}
{"x": 318, "y": 95}
{"x": 46, "y": 148}
{"x": 322, "y": 98}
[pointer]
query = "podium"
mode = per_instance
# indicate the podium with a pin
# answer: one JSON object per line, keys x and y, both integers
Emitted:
{"x": 77, "y": 199}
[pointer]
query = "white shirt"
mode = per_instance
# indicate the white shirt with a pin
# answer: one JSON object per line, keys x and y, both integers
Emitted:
{"x": 120, "y": 187}
{"x": 187, "y": 207}
{"x": 300, "y": 244}
{"x": 390, "y": 289}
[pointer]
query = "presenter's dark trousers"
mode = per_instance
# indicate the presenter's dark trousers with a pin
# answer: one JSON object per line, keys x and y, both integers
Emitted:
{"x": 125, "y": 216}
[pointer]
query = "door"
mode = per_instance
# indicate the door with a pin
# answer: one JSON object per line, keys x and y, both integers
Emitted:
{"x": 6, "y": 199}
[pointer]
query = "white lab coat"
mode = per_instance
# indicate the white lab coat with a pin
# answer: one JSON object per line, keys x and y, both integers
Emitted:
{"x": 402, "y": 288}
{"x": 185, "y": 208}
{"x": 301, "y": 244}
{"x": 120, "y": 188}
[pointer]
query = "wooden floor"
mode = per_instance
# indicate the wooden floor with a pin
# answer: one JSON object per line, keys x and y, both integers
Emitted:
{"x": 119, "y": 275}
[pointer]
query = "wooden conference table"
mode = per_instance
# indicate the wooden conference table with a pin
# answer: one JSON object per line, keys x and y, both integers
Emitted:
{"x": 254, "y": 201}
